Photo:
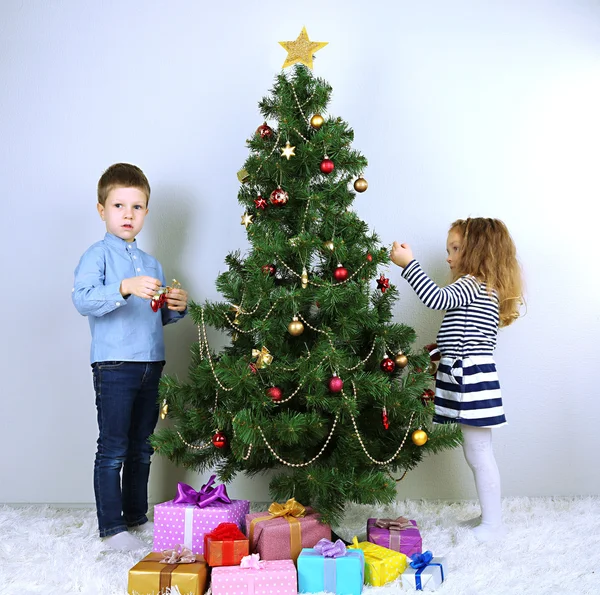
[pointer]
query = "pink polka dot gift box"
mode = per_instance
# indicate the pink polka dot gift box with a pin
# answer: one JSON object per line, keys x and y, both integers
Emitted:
{"x": 185, "y": 519}
{"x": 260, "y": 577}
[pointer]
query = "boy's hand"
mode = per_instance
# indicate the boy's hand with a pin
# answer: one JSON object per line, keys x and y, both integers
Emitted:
{"x": 177, "y": 300}
{"x": 401, "y": 254}
{"x": 143, "y": 287}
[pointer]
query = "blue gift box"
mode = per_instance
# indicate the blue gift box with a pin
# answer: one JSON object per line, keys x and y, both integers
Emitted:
{"x": 343, "y": 575}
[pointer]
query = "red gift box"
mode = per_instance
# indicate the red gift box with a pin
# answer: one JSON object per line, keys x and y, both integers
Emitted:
{"x": 225, "y": 546}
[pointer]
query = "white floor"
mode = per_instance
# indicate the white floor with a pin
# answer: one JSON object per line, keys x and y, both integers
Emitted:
{"x": 553, "y": 548}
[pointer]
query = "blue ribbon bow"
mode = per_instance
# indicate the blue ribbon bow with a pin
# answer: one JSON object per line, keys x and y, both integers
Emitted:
{"x": 420, "y": 562}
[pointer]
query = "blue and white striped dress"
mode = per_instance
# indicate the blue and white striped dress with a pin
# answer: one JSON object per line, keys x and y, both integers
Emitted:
{"x": 467, "y": 385}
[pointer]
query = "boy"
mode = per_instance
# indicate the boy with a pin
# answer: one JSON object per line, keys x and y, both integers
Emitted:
{"x": 114, "y": 283}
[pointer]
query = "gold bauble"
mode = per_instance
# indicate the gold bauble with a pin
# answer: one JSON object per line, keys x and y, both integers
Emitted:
{"x": 419, "y": 437}
{"x": 360, "y": 185}
{"x": 329, "y": 245}
{"x": 401, "y": 360}
{"x": 432, "y": 369}
{"x": 304, "y": 279}
{"x": 295, "y": 327}
{"x": 317, "y": 121}
{"x": 164, "y": 409}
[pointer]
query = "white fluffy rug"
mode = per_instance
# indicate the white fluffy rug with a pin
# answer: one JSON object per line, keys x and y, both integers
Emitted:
{"x": 553, "y": 548}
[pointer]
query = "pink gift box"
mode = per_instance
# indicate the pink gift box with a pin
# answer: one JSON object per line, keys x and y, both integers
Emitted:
{"x": 406, "y": 541}
{"x": 277, "y": 577}
{"x": 186, "y": 524}
{"x": 272, "y": 537}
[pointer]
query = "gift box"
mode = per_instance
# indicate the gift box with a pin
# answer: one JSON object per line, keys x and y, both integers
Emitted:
{"x": 425, "y": 572}
{"x": 382, "y": 565}
{"x": 283, "y": 531}
{"x": 153, "y": 576}
{"x": 264, "y": 577}
{"x": 190, "y": 515}
{"x": 225, "y": 546}
{"x": 331, "y": 567}
{"x": 401, "y": 535}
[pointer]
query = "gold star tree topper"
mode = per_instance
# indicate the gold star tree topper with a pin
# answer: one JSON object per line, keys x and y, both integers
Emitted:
{"x": 301, "y": 50}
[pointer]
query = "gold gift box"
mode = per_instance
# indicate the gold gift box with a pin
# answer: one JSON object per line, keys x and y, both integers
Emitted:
{"x": 382, "y": 565}
{"x": 150, "y": 576}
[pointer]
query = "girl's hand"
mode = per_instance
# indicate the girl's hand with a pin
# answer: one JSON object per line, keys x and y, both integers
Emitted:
{"x": 177, "y": 300}
{"x": 401, "y": 254}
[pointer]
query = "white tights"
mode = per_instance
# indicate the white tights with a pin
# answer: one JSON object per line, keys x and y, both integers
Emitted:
{"x": 479, "y": 454}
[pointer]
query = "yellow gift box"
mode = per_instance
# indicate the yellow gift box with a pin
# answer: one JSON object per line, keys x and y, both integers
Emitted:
{"x": 381, "y": 564}
{"x": 150, "y": 576}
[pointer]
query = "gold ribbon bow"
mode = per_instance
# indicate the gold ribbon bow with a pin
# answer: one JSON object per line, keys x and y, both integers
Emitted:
{"x": 290, "y": 511}
{"x": 290, "y": 508}
{"x": 179, "y": 555}
{"x": 401, "y": 523}
{"x": 263, "y": 357}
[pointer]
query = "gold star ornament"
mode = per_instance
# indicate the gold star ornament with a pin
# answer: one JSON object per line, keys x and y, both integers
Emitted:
{"x": 301, "y": 50}
{"x": 288, "y": 151}
{"x": 246, "y": 220}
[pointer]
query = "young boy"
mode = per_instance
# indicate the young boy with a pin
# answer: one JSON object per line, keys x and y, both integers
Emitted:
{"x": 114, "y": 283}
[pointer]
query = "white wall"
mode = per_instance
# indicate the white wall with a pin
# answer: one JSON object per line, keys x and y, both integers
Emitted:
{"x": 462, "y": 108}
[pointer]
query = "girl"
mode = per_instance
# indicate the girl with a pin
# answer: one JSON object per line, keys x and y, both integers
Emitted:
{"x": 485, "y": 293}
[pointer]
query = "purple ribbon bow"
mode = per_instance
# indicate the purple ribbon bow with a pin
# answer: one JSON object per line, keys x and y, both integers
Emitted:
{"x": 186, "y": 494}
{"x": 329, "y": 549}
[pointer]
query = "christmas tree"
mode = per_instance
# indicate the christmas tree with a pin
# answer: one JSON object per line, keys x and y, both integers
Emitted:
{"x": 318, "y": 381}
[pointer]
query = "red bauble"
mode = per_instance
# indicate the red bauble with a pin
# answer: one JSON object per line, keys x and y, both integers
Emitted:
{"x": 279, "y": 197}
{"x": 219, "y": 440}
{"x": 265, "y": 131}
{"x": 336, "y": 384}
{"x": 154, "y": 305}
{"x": 427, "y": 396}
{"x": 269, "y": 269}
{"x": 384, "y": 419}
{"x": 369, "y": 258}
{"x": 327, "y": 166}
{"x": 340, "y": 274}
{"x": 388, "y": 365}
{"x": 275, "y": 393}
{"x": 383, "y": 283}
{"x": 260, "y": 202}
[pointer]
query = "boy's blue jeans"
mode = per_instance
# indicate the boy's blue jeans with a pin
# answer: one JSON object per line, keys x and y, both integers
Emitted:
{"x": 127, "y": 405}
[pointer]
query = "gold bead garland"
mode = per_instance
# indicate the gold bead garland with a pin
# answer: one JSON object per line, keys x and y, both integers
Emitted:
{"x": 249, "y": 451}
{"x": 310, "y": 326}
{"x": 300, "y": 464}
{"x": 275, "y": 146}
{"x": 360, "y": 440}
{"x": 193, "y": 446}
{"x": 320, "y": 284}
{"x": 299, "y": 386}
{"x": 212, "y": 367}
{"x": 362, "y": 361}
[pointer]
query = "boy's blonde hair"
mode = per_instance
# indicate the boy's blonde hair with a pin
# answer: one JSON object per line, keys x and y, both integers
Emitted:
{"x": 122, "y": 175}
{"x": 489, "y": 254}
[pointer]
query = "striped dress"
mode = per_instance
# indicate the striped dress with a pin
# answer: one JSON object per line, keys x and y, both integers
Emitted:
{"x": 467, "y": 385}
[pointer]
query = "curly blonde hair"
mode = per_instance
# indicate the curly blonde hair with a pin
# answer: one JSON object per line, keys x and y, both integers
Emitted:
{"x": 489, "y": 254}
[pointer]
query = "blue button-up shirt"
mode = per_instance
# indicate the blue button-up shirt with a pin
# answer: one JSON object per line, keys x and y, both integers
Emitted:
{"x": 122, "y": 329}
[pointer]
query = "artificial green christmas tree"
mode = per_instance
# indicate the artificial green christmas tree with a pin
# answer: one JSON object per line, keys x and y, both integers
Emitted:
{"x": 318, "y": 381}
